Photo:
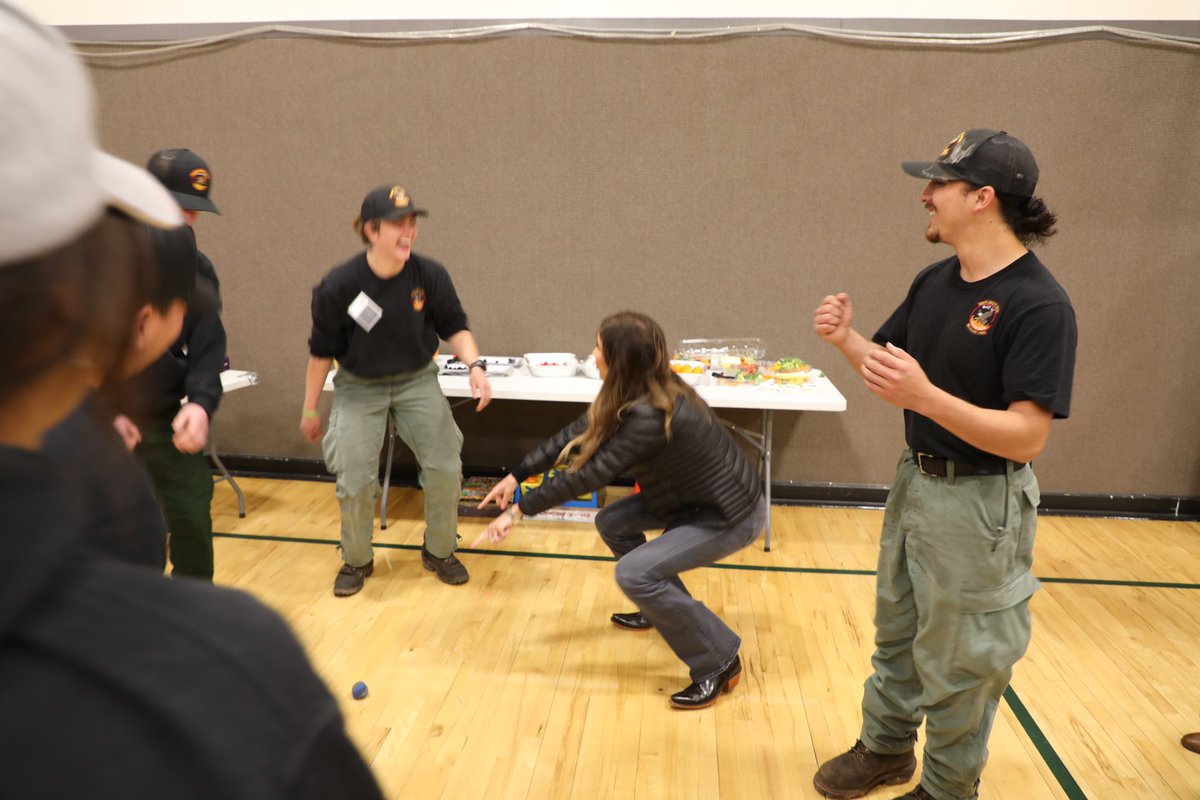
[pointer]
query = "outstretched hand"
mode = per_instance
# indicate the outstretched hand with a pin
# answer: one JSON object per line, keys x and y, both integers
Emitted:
{"x": 496, "y": 531}
{"x": 502, "y": 493}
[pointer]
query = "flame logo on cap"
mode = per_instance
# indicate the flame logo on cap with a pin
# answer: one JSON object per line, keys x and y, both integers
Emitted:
{"x": 953, "y": 144}
{"x": 399, "y": 197}
{"x": 199, "y": 178}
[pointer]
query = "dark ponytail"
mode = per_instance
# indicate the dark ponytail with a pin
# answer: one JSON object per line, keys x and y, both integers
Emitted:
{"x": 1028, "y": 217}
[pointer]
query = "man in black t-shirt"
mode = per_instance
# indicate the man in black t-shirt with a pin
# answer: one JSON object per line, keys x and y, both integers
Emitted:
{"x": 981, "y": 357}
{"x": 381, "y": 314}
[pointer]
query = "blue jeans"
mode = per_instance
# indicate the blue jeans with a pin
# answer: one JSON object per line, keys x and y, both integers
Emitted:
{"x": 648, "y": 573}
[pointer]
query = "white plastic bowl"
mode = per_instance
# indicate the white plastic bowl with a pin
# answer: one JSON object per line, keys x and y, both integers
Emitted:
{"x": 692, "y": 378}
{"x": 551, "y": 365}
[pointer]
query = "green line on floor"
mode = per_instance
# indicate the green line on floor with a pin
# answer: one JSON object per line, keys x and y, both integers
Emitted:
{"x": 1057, "y": 767}
{"x": 743, "y": 567}
{"x": 1140, "y": 584}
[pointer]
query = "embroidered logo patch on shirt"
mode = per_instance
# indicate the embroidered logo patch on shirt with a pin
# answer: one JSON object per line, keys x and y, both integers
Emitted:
{"x": 418, "y": 298}
{"x": 983, "y": 317}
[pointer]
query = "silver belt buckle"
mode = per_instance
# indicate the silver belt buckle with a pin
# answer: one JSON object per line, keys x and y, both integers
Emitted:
{"x": 921, "y": 465}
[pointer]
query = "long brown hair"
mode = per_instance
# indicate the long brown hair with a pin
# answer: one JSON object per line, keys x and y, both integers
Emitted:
{"x": 639, "y": 370}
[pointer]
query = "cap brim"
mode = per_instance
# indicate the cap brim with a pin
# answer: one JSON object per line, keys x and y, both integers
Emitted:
{"x": 400, "y": 213}
{"x": 135, "y": 192}
{"x": 930, "y": 170}
{"x": 191, "y": 202}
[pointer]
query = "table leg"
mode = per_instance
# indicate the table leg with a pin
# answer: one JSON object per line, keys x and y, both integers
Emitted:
{"x": 762, "y": 443}
{"x": 225, "y": 476}
{"x": 768, "y": 424}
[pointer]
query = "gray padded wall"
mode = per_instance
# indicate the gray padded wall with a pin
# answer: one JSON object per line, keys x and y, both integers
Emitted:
{"x": 723, "y": 187}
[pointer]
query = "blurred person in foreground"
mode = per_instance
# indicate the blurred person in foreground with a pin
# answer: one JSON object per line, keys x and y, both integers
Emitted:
{"x": 121, "y": 514}
{"x": 114, "y": 682}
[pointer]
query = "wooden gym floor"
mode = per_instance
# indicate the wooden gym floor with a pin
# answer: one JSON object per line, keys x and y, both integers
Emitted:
{"x": 517, "y": 686}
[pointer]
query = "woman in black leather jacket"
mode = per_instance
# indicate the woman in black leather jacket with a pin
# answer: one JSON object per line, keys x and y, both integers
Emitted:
{"x": 696, "y": 484}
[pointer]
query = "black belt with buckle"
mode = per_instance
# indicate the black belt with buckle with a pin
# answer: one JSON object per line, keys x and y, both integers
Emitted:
{"x": 938, "y": 467}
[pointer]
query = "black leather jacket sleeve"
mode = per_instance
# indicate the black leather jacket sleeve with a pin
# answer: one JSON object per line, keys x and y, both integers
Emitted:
{"x": 639, "y": 437}
{"x": 545, "y": 455}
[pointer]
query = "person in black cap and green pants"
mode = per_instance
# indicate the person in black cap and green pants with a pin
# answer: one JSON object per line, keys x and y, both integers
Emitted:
{"x": 981, "y": 357}
{"x": 169, "y": 437}
{"x": 381, "y": 314}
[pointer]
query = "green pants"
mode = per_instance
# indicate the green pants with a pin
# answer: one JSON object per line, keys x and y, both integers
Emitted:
{"x": 183, "y": 483}
{"x": 951, "y": 617}
{"x": 424, "y": 422}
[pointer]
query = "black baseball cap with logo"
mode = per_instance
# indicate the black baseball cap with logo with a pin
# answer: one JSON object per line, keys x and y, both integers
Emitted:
{"x": 186, "y": 176}
{"x": 389, "y": 202}
{"x": 983, "y": 157}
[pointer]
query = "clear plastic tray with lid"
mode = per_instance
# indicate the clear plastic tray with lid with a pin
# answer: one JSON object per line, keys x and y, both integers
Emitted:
{"x": 713, "y": 352}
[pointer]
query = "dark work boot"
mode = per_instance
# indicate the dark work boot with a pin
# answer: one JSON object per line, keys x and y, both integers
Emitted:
{"x": 449, "y": 569}
{"x": 858, "y": 771}
{"x": 350, "y": 579}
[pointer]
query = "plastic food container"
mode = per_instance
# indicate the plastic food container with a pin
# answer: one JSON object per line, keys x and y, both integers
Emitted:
{"x": 590, "y": 369}
{"x": 721, "y": 353}
{"x": 551, "y": 365}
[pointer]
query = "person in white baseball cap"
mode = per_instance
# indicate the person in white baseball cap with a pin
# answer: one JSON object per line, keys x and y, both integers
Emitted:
{"x": 54, "y": 180}
{"x": 115, "y": 682}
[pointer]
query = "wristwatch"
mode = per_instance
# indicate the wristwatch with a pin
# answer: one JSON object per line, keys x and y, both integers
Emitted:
{"x": 479, "y": 362}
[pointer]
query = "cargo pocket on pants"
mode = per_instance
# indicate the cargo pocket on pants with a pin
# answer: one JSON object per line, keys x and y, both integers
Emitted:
{"x": 994, "y": 627}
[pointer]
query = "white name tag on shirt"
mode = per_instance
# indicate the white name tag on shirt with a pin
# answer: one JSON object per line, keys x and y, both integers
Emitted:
{"x": 365, "y": 311}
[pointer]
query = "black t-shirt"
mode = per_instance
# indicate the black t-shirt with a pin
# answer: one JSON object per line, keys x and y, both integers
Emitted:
{"x": 1008, "y": 337}
{"x": 418, "y": 306}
